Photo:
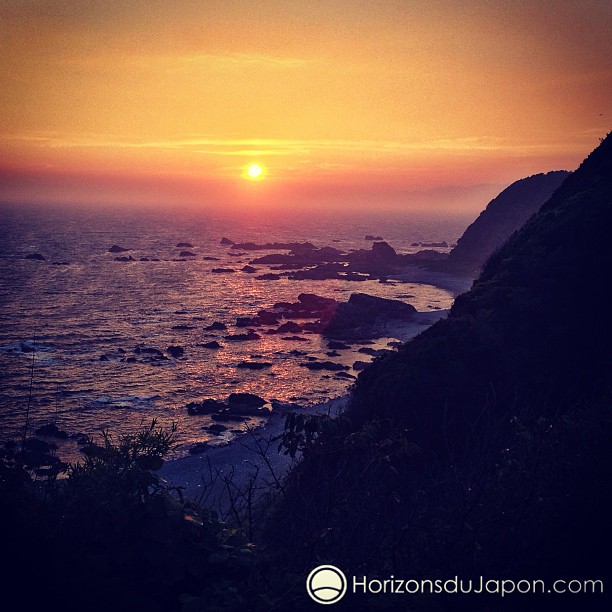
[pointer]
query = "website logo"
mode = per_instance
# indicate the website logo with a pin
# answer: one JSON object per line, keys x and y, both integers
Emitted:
{"x": 326, "y": 584}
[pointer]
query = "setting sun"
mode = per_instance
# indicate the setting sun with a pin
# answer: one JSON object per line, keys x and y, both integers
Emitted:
{"x": 255, "y": 172}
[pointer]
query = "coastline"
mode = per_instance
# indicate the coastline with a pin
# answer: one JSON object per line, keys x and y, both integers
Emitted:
{"x": 249, "y": 459}
{"x": 252, "y": 456}
{"x": 456, "y": 284}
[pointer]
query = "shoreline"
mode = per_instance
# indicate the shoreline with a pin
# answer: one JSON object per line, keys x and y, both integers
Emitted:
{"x": 249, "y": 460}
{"x": 225, "y": 472}
{"x": 456, "y": 284}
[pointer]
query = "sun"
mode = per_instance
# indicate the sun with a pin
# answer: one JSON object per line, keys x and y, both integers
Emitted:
{"x": 255, "y": 172}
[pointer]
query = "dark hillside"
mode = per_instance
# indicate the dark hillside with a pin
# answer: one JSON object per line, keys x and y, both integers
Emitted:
{"x": 482, "y": 446}
{"x": 504, "y": 215}
{"x": 534, "y": 327}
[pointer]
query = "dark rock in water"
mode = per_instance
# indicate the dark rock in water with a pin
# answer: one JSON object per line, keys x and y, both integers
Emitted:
{"x": 199, "y": 448}
{"x": 366, "y": 350}
{"x": 333, "y": 354}
{"x": 339, "y": 346}
{"x": 103, "y": 358}
{"x": 251, "y": 335}
{"x": 182, "y": 327}
{"x": 285, "y": 406}
{"x": 303, "y": 257}
{"x": 208, "y": 406}
{"x": 212, "y": 345}
{"x": 308, "y": 306}
{"x": 344, "y": 375}
{"x": 236, "y": 254}
{"x": 254, "y": 365}
{"x": 295, "y": 338}
{"x": 274, "y": 246}
{"x": 370, "y": 237}
{"x": 53, "y": 431}
{"x": 326, "y": 272}
{"x": 144, "y": 259}
{"x": 36, "y": 256}
{"x": 268, "y": 276}
{"x": 360, "y": 365}
{"x": 61, "y": 263}
{"x": 395, "y": 343}
{"x": 245, "y": 399}
{"x": 226, "y": 241}
{"x": 296, "y": 353}
{"x": 249, "y": 269}
{"x": 362, "y": 312}
{"x": 222, "y": 270}
{"x": 216, "y": 429}
{"x": 324, "y": 365}
{"x": 38, "y": 446}
{"x": 184, "y": 245}
{"x": 290, "y": 327}
{"x": 246, "y": 322}
{"x": 187, "y": 254}
{"x": 117, "y": 249}
{"x": 217, "y": 325}
{"x": 175, "y": 351}
{"x": 130, "y": 258}
{"x": 289, "y": 266}
{"x": 243, "y": 410}
{"x": 263, "y": 317}
{"x": 267, "y": 318}
{"x": 211, "y": 258}
{"x": 130, "y": 360}
{"x": 383, "y": 250}
{"x": 26, "y": 348}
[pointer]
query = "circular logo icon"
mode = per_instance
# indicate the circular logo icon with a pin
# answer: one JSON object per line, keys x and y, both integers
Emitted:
{"x": 326, "y": 584}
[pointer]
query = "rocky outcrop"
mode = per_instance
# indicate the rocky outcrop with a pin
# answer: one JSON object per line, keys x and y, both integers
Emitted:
{"x": 253, "y": 365}
{"x": 217, "y": 325}
{"x": 360, "y": 315}
{"x": 246, "y": 399}
{"x": 175, "y": 351}
{"x": 250, "y": 335}
{"x": 212, "y": 345}
{"x": 274, "y": 246}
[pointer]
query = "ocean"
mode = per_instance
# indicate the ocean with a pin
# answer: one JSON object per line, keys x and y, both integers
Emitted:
{"x": 69, "y": 323}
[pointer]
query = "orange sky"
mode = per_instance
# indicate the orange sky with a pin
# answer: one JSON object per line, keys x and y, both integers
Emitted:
{"x": 362, "y": 102}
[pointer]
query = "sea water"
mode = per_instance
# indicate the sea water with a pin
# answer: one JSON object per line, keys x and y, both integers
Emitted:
{"x": 59, "y": 317}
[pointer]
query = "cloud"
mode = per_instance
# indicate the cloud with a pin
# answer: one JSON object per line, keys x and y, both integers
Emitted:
{"x": 211, "y": 145}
